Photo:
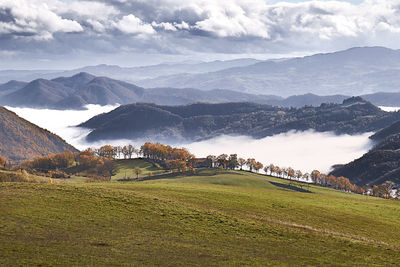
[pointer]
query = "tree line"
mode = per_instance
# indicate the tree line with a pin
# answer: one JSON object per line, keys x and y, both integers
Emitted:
{"x": 232, "y": 162}
{"x": 170, "y": 157}
{"x": 100, "y": 162}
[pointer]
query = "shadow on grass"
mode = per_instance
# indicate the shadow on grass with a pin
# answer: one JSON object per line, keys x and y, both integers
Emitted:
{"x": 291, "y": 187}
{"x": 174, "y": 175}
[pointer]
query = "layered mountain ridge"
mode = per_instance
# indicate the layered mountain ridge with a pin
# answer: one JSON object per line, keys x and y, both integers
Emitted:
{"x": 83, "y": 88}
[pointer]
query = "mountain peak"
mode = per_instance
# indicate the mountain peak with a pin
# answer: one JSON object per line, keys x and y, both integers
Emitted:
{"x": 354, "y": 100}
{"x": 83, "y": 75}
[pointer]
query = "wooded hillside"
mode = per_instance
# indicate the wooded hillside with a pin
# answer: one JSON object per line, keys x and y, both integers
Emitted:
{"x": 21, "y": 140}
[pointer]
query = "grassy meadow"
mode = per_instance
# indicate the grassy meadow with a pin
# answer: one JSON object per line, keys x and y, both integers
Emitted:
{"x": 213, "y": 218}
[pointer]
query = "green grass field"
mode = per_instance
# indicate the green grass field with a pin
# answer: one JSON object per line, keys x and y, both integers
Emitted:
{"x": 125, "y": 168}
{"x": 214, "y": 218}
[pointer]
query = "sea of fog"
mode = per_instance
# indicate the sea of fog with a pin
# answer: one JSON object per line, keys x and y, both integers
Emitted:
{"x": 390, "y": 109}
{"x": 300, "y": 150}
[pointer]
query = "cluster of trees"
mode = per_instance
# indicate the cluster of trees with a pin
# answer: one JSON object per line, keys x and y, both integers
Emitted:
{"x": 173, "y": 158}
{"x": 114, "y": 152}
{"x": 51, "y": 162}
{"x": 232, "y": 162}
{"x": 58, "y": 165}
{"x": 385, "y": 190}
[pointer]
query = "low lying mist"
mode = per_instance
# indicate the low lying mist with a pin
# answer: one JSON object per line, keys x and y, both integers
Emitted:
{"x": 300, "y": 150}
{"x": 62, "y": 122}
{"x": 390, "y": 109}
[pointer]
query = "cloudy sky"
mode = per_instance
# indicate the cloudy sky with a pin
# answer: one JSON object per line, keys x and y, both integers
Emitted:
{"x": 68, "y": 33}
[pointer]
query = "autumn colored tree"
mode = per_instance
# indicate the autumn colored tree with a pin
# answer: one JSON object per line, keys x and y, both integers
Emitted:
{"x": 51, "y": 162}
{"x": 278, "y": 171}
{"x": 106, "y": 151}
{"x": 250, "y": 163}
{"x": 360, "y": 190}
{"x": 106, "y": 168}
{"x": 241, "y": 163}
{"x": 271, "y": 169}
{"x": 291, "y": 173}
{"x": 87, "y": 158}
{"x": 178, "y": 164}
{"x": 3, "y": 162}
{"x": 315, "y": 175}
{"x": 332, "y": 181}
{"x": 258, "y": 166}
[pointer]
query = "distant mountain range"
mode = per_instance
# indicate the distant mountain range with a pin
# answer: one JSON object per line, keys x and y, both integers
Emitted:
{"x": 21, "y": 140}
{"x": 131, "y": 74}
{"x": 204, "y": 121}
{"x": 83, "y": 88}
{"x": 355, "y": 71}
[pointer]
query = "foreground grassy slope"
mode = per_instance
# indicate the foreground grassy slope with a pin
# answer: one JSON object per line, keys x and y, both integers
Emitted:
{"x": 209, "y": 219}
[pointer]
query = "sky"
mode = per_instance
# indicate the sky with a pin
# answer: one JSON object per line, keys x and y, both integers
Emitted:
{"x": 65, "y": 34}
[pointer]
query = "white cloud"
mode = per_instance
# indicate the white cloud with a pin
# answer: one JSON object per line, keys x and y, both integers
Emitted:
{"x": 164, "y": 25}
{"x": 97, "y": 10}
{"x": 133, "y": 25}
{"x": 33, "y": 18}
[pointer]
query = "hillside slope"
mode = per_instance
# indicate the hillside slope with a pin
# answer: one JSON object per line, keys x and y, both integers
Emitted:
{"x": 211, "y": 219}
{"x": 380, "y": 164}
{"x": 11, "y": 87}
{"x": 21, "y": 140}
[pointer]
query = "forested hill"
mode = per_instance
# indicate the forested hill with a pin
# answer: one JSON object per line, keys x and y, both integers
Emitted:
{"x": 203, "y": 121}
{"x": 21, "y": 140}
{"x": 380, "y": 164}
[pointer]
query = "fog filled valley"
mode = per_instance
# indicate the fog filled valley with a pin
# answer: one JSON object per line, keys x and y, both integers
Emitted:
{"x": 306, "y": 151}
